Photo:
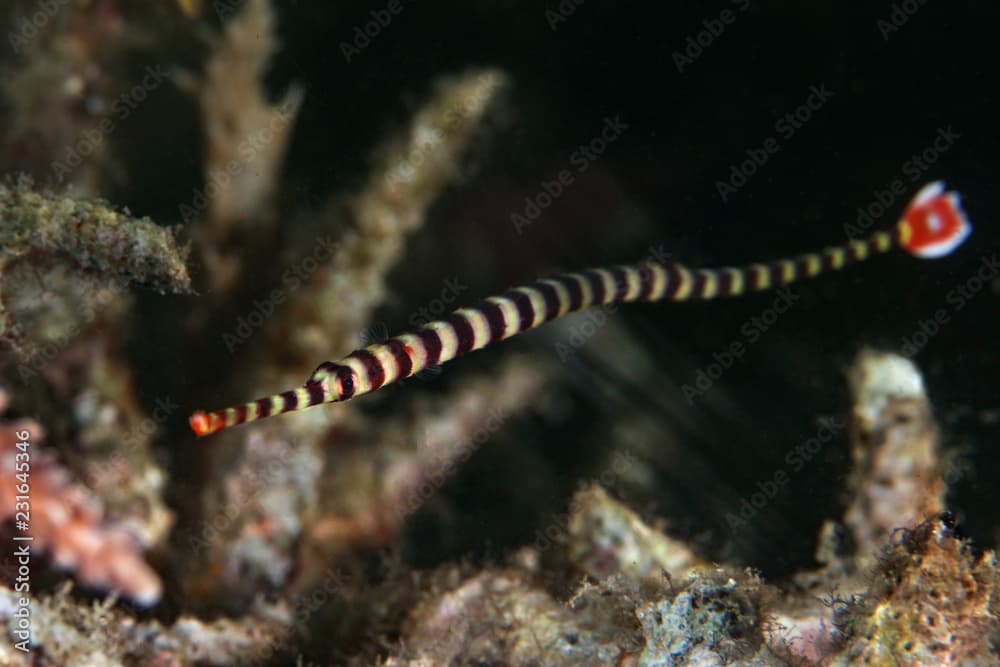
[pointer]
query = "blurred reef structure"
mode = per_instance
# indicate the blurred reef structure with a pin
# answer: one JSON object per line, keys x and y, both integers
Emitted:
{"x": 552, "y": 501}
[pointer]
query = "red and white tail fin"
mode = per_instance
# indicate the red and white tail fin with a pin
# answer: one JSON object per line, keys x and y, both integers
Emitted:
{"x": 934, "y": 223}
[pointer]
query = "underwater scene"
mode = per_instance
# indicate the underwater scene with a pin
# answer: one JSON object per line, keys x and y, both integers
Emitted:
{"x": 404, "y": 333}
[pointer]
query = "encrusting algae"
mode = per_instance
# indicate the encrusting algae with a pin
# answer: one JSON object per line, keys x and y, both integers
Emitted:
{"x": 93, "y": 236}
{"x": 74, "y": 250}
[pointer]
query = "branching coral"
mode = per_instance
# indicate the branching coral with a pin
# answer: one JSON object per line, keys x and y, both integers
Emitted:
{"x": 896, "y": 486}
{"x": 246, "y": 136}
{"x": 246, "y": 139}
{"x": 329, "y": 310}
{"x": 64, "y": 266}
{"x": 411, "y": 171}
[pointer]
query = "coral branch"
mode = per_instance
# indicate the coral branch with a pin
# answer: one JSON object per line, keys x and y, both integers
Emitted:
{"x": 895, "y": 489}
{"x": 65, "y": 633}
{"x": 411, "y": 172}
{"x": 607, "y": 538}
{"x": 91, "y": 235}
{"x": 374, "y": 488}
{"x": 241, "y": 127}
{"x": 246, "y": 140}
{"x": 325, "y": 313}
{"x": 897, "y": 469}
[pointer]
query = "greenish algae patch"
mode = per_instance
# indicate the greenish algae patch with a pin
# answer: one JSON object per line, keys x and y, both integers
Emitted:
{"x": 93, "y": 235}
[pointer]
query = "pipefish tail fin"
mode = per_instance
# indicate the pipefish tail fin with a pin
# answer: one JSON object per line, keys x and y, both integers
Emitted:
{"x": 934, "y": 223}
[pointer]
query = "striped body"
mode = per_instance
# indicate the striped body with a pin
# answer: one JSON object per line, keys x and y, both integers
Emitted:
{"x": 523, "y": 308}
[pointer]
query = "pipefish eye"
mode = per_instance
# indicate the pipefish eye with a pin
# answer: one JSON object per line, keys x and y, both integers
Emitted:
{"x": 345, "y": 384}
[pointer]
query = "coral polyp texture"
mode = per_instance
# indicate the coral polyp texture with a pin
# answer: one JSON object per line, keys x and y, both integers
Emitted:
{"x": 193, "y": 213}
{"x": 933, "y": 601}
{"x": 91, "y": 235}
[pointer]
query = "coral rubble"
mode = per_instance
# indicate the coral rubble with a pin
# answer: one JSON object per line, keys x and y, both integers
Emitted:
{"x": 931, "y": 601}
{"x": 606, "y": 537}
{"x": 66, "y": 632}
{"x": 713, "y": 620}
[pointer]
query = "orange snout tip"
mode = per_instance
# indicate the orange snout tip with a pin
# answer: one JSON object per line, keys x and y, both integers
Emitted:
{"x": 203, "y": 424}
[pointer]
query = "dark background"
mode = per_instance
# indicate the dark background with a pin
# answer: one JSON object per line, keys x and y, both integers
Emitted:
{"x": 656, "y": 185}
